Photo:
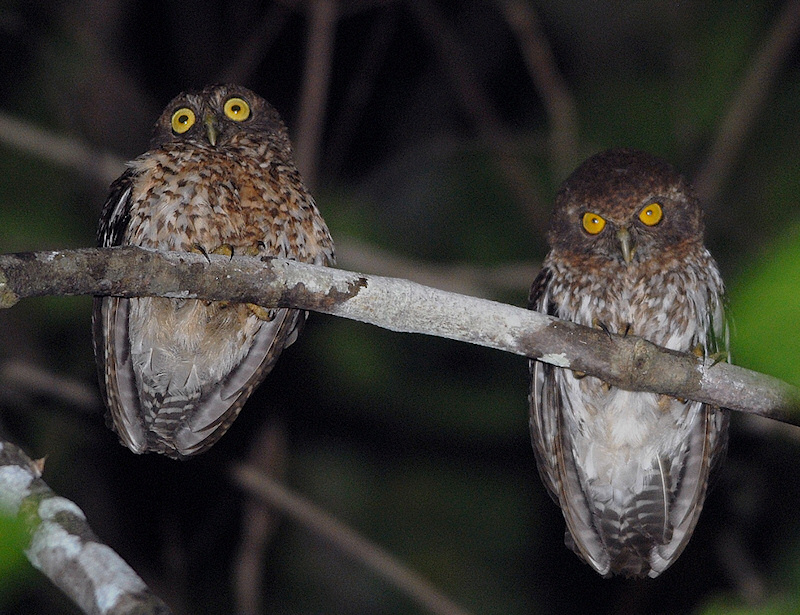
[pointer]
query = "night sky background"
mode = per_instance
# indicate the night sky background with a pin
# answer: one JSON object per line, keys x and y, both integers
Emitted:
{"x": 434, "y": 136}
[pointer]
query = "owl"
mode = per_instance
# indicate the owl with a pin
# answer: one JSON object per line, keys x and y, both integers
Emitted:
{"x": 219, "y": 178}
{"x": 630, "y": 470}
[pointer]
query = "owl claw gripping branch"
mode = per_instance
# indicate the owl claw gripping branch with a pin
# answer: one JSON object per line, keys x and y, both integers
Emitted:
{"x": 219, "y": 178}
{"x": 630, "y": 470}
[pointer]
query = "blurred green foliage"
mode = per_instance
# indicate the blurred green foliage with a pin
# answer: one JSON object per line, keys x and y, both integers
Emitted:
{"x": 766, "y": 309}
{"x": 14, "y": 569}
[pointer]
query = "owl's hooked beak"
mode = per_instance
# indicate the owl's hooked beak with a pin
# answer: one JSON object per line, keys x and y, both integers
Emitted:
{"x": 626, "y": 244}
{"x": 212, "y": 130}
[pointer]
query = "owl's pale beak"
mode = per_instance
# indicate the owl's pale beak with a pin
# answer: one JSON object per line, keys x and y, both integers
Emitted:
{"x": 626, "y": 244}
{"x": 212, "y": 130}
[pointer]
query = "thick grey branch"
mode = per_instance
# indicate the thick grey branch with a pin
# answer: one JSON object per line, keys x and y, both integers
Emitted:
{"x": 397, "y": 305}
{"x": 65, "y": 549}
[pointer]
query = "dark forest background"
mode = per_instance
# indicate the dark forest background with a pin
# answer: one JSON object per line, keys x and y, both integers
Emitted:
{"x": 433, "y": 136}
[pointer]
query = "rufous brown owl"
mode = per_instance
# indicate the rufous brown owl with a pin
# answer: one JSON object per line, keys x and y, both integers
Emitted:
{"x": 219, "y": 178}
{"x": 630, "y": 470}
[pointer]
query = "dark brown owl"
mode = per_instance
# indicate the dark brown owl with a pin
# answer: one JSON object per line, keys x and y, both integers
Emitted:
{"x": 630, "y": 470}
{"x": 219, "y": 178}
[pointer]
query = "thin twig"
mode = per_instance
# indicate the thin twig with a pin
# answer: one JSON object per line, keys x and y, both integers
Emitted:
{"x": 746, "y": 104}
{"x": 63, "y": 546}
{"x": 463, "y": 278}
{"x": 33, "y": 381}
{"x": 322, "y": 16}
{"x": 253, "y": 49}
{"x": 626, "y": 362}
{"x": 478, "y": 107}
{"x": 552, "y": 88}
{"x": 375, "y": 44}
{"x": 60, "y": 150}
{"x": 267, "y": 455}
{"x": 346, "y": 540}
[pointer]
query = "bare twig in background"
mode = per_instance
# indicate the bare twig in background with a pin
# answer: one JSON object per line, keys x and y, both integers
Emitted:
{"x": 558, "y": 102}
{"x": 322, "y": 18}
{"x": 267, "y": 456}
{"x": 465, "y": 279}
{"x": 63, "y": 546}
{"x": 345, "y": 539}
{"x": 627, "y": 362}
{"x": 479, "y": 109}
{"x": 741, "y": 570}
{"x": 60, "y": 150}
{"x": 31, "y": 380}
{"x": 746, "y": 104}
{"x": 254, "y": 48}
{"x": 357, "y": 96}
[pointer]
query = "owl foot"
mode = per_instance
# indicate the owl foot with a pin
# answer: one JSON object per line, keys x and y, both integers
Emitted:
{"x": 602, "y": 326}
{"x": 254, "y": 250}
{"x": 198, "y": 249}
{"x": 718, "y": 357}
{"x": 225, "y": 249}
{"x": 260, "y": 312}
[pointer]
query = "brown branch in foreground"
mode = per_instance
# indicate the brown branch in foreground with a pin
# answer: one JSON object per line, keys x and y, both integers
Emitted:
{"x": 345, "y": 539}
{"x": 398, "y": 305}
{"x": 744, "y": 107}
{"x": 63, "y": 546}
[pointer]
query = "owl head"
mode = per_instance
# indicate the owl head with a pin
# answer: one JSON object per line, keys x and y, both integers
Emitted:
{"x": 627, "y": 206}
{"x": 217, "y": 117}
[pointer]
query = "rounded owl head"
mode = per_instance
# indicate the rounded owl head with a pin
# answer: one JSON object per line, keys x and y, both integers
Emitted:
{"x": 216, "y": 116}
{"x": 625, "y": 205}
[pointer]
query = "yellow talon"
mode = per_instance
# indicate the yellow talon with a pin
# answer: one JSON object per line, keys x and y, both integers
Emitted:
{"x": 225, "y": 249}
{"x": 260, "y": 312}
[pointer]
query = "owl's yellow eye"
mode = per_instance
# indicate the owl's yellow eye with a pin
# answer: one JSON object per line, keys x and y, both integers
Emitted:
{"x": 237, "y": 109}
{"x": 182, "y": 120}
{"x": 651, "y": 215}
{"x": 592, "y": 223}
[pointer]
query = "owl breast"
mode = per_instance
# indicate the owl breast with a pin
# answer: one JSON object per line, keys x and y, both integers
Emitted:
{"x": 628, "y": 468}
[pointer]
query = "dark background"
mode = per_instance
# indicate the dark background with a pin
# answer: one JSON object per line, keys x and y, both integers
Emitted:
{"x": 434, "y": 154}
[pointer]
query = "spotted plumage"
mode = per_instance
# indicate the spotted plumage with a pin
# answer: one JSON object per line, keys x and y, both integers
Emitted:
{"x": 630, "y": 470}
{"x": 219, "y": 178}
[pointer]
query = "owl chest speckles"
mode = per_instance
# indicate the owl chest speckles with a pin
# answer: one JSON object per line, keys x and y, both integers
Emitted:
{"x": 219, "y": 178}
{"x": 671, "y": 302}
{"x": 629, "y": 469}
{"x": 200, "y": 198}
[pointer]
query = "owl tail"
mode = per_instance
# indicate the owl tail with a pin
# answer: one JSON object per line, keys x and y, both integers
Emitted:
{"x": 641, "y": 531}
{"x": 632, "y": 525}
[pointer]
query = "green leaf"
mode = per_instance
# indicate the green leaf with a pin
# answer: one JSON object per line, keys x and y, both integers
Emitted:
{"x": 766, "y": 311}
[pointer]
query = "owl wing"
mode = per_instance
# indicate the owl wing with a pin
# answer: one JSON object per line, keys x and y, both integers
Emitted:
{"x": 687, "y": 480}
{"x": 553, "y": 448}
{"x": 694, "y": 473}
{"x": 670, "y": 506}
{"x": 219, "y": 404}
{"x": 203, "y": 419}
{"x": 110, "y": 327}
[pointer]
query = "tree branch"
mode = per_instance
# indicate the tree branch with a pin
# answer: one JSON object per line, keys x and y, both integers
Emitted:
{"x": 63, "y": 546}
{"x": 627, "y": 362}
{"x": 345, "y": 539}
{"x": 745, "y": 104}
